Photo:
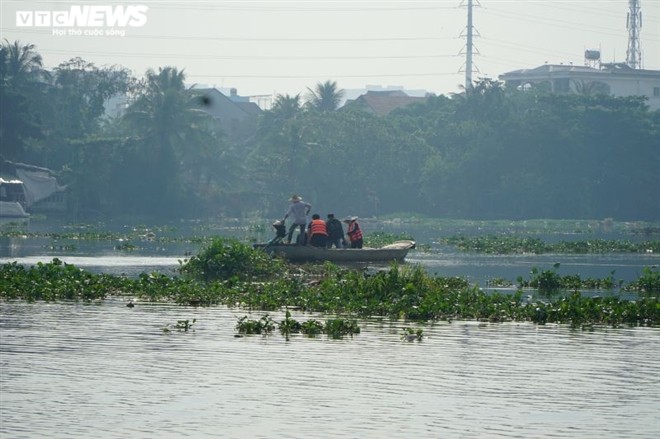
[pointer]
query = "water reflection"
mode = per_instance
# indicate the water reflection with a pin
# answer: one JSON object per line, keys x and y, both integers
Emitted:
{"x": 72, "y": 370}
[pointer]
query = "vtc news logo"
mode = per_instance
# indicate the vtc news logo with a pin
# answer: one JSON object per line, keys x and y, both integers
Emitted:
{"x": 82, "y": 16}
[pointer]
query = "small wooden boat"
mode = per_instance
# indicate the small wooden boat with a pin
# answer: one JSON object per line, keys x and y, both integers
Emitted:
{"x": 396, "y": 251}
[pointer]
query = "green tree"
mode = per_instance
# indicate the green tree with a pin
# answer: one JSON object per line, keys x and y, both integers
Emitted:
{"x": 285, "y": 107}
{"x": 80, "y": 90}
{"x": 325, "y": 96}
{"x": 22, "y": 84}
{"x": 171, "y": 127}
{"x": 484, "y": 101}
{"x": 275, "y": 158}
{"x": 590, "y": 88}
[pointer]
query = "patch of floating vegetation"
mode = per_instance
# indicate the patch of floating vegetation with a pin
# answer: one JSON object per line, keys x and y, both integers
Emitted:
{"x": 524, "y": 227}
{"x": 180, "y": 326}
{"x": 503, "y": 244}
{"x": 226, "y": 274}
{"x": 334, "y": 328}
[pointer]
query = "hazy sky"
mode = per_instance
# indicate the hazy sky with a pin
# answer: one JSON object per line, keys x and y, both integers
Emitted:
{"x": 266, "y": 47}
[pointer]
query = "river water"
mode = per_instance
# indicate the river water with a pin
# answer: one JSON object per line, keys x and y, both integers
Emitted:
{"x": 71, "y": 370}
{"x": 109, "y": 371}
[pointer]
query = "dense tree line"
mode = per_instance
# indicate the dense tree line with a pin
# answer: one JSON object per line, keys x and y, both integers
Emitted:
{"x": 485, "y": 153}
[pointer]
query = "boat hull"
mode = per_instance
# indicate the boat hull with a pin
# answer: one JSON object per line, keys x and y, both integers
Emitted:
{"x": 305, "y": 253}
{"x": 12, "y": 210}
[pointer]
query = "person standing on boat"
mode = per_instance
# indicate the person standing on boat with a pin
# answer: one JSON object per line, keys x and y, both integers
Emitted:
{"x": 318, "y": 232}
{"x": 298, "y": 210}
{"x": 354, "y": 232}
{"x": 335, "y": 232}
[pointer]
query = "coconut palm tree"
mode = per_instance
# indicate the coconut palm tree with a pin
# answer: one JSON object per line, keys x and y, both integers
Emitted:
{"x": 325, "y": 96}
{"x": 22, "y": 83}
{"x": 173, "y": 131}
{"x": 20, "y": 64}
{"x": 485, "y": 99}
{"x": 286, "y": 106}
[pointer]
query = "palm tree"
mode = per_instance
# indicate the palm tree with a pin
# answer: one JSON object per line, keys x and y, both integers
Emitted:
{"x": 484, "y": 99}
{"x": 325, "y": 96}
{"x": 172, "y": 128}
{"x": 166, "y": 113}
{"x": 20, "y": 64}
{"x": 286, "y": 106}
{"x": 22, "y": 81}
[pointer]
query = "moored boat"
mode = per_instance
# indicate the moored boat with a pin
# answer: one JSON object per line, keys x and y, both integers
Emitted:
{"x": 396, "y": 251}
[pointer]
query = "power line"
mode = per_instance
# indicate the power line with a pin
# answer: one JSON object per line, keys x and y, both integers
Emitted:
{"x": 552, "y": 22}
{"x": 48, "y": 32}
{"x": 379, "y": 75}
{"x": 523, "y": 47}
{"x": 241, "y": 57}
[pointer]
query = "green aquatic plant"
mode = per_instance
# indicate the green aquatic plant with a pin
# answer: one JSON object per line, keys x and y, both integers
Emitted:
{"x": 412, "y": 334}
{"x": 510, "y": 244}
{"x": 181, "y": 326}
{"x": 549, "y": 281}
{"x": 185, "y": 325}
{"x": 55, "y": 281}
{"x": 125, "y": 246}
{"x": 497, "y": 244}
{"x": 499, "y": 282}
{"x": 161, "y": 235}
{"x": 289, "y": 326}
{"x": 264, "y": 325}
{"x": 648, "y": 282}
{"x": 61, "y": 247}
{"x": 311, "y": 327}
{"x": 338, "y": 328}
{"x": 334, "y": 328}
{"x": 227, "y": 258}
{"x": 401, "y": 292}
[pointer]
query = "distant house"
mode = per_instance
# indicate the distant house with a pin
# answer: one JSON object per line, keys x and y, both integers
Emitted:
{"x": 116, "y": 105}
{"x": 616, "y": 79}
{"x": 382, "y": 103}
{"x": 236, "y": 114}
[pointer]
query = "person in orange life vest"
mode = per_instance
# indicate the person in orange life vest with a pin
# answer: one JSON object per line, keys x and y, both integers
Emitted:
{"x": 354, "y": 232}
{"x": 317, "y": 232}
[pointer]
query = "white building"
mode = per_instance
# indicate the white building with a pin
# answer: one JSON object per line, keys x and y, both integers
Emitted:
{"x": 616, "y": 79}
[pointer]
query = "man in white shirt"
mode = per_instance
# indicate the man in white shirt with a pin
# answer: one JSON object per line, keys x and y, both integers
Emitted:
{"x": 298, "y": 210}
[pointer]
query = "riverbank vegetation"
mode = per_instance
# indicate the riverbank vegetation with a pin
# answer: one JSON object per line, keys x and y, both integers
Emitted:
{"x": 488, "y": 152}
{"x": 400, "y": 292}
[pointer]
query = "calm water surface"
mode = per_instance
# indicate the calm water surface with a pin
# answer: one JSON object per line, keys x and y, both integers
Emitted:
{"x": 108, "y": 371}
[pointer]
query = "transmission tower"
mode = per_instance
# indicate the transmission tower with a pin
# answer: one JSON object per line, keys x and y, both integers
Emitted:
{"x": 634, "y": 25}
{"x": 470, "y": 49}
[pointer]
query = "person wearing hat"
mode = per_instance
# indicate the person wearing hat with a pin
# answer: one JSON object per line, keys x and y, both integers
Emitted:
{"x": 298, "y": 210}
{"x": 354, "y": 232}
{"x": 335, "y": 232}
